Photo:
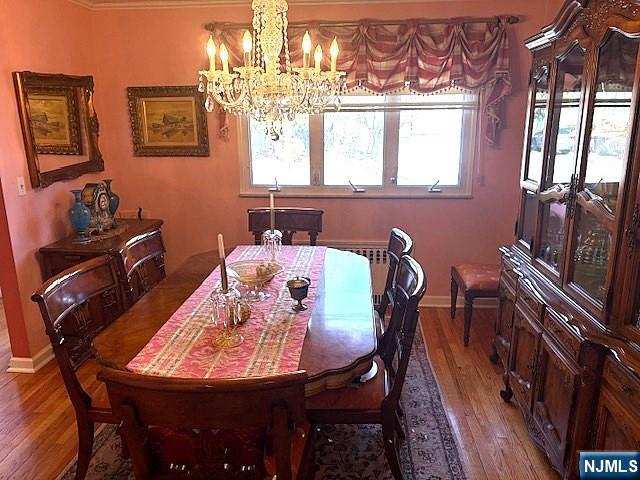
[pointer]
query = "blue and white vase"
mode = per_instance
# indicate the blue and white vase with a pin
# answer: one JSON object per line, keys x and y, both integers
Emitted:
{"x": 114, "y": 198}
{"x": 80, "y": 216}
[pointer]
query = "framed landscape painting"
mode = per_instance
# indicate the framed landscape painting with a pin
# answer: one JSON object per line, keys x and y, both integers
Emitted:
{"x": 168, "y": 121}
{"x": 55, "y": 120}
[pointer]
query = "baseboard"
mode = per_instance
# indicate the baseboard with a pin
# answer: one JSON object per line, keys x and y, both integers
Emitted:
{"x": 444, "y": 301}
{"x": 31, "y": 364}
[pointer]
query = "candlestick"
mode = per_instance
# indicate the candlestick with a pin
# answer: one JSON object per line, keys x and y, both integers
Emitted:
{"x": 246, "y": 47}
{"x": 334, "y": 54}
{"x": 211, "y": 52}
{"x": 224, "y": 56}
{"x": 272, "y": 213}
{"x": 317, "y": 56}
{"x": 223, "y": 265}
{"x": 306, "y": 50}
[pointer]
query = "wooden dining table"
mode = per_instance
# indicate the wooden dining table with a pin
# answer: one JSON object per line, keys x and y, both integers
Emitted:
{"x": 340, "y": 342}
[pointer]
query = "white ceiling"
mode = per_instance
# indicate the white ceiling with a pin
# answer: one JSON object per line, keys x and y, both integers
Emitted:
{"x": 135, "y": 4}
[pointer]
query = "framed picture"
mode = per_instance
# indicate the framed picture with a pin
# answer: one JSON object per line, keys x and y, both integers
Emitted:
{"x": 57, "y": 118}
{"x": 168, "y": 121}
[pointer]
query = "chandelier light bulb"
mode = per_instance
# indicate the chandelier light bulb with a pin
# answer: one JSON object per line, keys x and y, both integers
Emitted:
{"x": 211, "y": 52}
{"x": 334, "y": 53}
{"x": 224, "y": 56}
{"x": 317, "y": 56}
{"x": 306, "y": 49}
{"x": 247, "y": 42}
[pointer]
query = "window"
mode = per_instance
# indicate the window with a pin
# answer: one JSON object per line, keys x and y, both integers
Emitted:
{"x": 394, "y": 145}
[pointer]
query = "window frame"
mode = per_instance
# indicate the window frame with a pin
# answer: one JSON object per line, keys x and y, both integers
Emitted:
{"x": 388, "y": 189}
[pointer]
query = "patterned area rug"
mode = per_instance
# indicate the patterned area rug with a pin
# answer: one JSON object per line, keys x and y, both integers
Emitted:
{"x": 345, "y": 452}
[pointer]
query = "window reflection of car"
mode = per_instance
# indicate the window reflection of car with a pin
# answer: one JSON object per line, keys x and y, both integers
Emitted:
{"x": 612, "y": 147}
{"x": 565, "y": 141}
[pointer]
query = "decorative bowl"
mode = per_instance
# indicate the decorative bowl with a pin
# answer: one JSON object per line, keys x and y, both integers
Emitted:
{"x": 254, "y": 272}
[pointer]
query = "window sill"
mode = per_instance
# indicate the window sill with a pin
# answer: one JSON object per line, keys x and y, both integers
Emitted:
{"x": 358, "y": 195}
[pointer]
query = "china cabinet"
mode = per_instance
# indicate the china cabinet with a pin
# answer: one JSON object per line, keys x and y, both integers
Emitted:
{"x": 568, "y": 323}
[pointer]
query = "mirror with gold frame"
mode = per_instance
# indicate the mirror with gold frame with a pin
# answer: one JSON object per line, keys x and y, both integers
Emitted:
{"x": 59, "y": 126}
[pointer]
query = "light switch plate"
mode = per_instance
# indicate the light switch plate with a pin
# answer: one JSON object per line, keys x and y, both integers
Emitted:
{"x": 22, "y": 188}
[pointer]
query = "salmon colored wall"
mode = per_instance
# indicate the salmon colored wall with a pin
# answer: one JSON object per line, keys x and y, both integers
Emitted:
{"x": 43, "y": 36}
{"x": 198, "y": 197}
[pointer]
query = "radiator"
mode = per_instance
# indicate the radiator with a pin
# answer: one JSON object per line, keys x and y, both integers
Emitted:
{"x": 376, "y": 253}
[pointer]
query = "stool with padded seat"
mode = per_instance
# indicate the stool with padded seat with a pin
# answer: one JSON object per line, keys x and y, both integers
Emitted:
{"x": 476, "y": 281}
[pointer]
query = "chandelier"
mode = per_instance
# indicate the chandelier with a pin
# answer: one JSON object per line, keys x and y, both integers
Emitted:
{"x": 261, "y": 88}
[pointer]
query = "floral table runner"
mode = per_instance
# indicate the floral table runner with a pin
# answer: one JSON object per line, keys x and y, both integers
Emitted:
{"x": 185, "y": 346}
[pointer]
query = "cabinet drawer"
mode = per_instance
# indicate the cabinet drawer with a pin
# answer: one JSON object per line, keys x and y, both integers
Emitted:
{"x": 624, "y": 384}
{"x": 565, "y": 335}
{"x": 509, "y": 273}
{"x": 527, "y": 297}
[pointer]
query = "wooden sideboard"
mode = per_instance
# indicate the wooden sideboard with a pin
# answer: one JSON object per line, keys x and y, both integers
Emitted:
{"x": 568, "y": 324}
{"x": 140, "y": 248}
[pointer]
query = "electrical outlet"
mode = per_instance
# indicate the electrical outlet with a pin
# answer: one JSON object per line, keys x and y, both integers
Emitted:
{"x": 22, "y": 188}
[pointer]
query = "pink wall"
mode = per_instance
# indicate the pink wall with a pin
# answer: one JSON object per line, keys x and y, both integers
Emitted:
{"x": 43, "y": 36}
{"x": 198, "y": 197}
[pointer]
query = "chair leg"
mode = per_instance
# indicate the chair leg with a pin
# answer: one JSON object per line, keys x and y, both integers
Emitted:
{"x": 85, "y": 447}
{"x": 390, "y": 449}
{"x": 454, "y": 297}
{"x": 468, "y": 310}
{"x": 399, "y": 428}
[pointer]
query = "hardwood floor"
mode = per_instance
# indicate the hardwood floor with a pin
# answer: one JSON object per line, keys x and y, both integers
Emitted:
{"x": 491, "y": 434}
{"x": 38, "y": 438}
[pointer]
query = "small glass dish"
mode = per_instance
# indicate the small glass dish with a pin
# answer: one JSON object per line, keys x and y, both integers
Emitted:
{"x": 254, "y": 274}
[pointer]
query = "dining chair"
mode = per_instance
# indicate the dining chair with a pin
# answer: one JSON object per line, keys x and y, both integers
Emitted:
{"x": 143, "y": 259}
{"x": 288, "y": 220}
{"x": 76, "y": 305}
{"x": 400, "y": 244}
{"x": 217, "y": 425}
{"x": 378, "y": 400}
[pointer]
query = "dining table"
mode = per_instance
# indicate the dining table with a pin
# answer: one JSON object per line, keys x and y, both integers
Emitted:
{"x": 338, "y": 335}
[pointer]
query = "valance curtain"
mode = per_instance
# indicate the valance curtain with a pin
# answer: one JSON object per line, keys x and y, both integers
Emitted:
{"x": 421, "y": 57}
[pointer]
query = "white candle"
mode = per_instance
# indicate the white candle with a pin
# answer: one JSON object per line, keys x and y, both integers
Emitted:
{"x": 272, "y": 212}
{"x": 223, "y": 265}
{"x": 247, "y": 42}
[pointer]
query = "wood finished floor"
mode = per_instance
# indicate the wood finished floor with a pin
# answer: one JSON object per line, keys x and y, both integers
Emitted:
{"x": 38, "y": 439}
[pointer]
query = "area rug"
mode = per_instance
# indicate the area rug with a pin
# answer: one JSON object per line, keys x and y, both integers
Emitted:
{"x": 345, "y": 452}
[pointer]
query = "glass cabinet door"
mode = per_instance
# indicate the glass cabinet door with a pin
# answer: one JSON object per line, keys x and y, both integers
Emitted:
{"x": 533, "y": 170}
{"x": 604, "y": 170}
{"x": 561, "y": 158}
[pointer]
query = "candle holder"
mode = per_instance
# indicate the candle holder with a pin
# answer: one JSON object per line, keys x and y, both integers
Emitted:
{"x": 272, "y": 244}
{"x": 226, "y": 313}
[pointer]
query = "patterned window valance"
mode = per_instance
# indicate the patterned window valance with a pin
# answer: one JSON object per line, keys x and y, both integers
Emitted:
{"x": 423, "y": 57}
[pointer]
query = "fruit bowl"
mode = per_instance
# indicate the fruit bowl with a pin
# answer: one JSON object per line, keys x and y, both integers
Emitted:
{"x": 253, "y": 272}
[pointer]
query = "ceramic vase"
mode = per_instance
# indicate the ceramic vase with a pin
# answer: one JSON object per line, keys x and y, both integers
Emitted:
{"x": 114, "y": 198}
{"x": 80, "y": 215}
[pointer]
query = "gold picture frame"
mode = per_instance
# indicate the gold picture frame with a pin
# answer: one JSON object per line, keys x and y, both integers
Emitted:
{"x": 168, "y": 121}
{"x": 57, "y": 118}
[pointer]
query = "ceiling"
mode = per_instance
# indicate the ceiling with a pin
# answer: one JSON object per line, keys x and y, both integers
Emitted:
{"x": 135, "y": 4}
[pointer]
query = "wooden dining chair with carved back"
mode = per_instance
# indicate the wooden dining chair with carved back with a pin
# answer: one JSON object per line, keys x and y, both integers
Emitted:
{"x": 400, "y": 244}
{"x": 288, "y": 220}
{"x": 378, "y": 400}
{"x": 76, "y": 305}
{"x": 211, "y": 428}
{"x": 143, "y": 258}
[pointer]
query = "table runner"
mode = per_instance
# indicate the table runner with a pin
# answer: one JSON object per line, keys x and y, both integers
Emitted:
{"x": 273, "y": 337}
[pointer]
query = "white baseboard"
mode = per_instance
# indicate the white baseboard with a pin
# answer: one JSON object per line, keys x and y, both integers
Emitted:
{"x": 444, "y": 301}
{"x": 31, "y": 364}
